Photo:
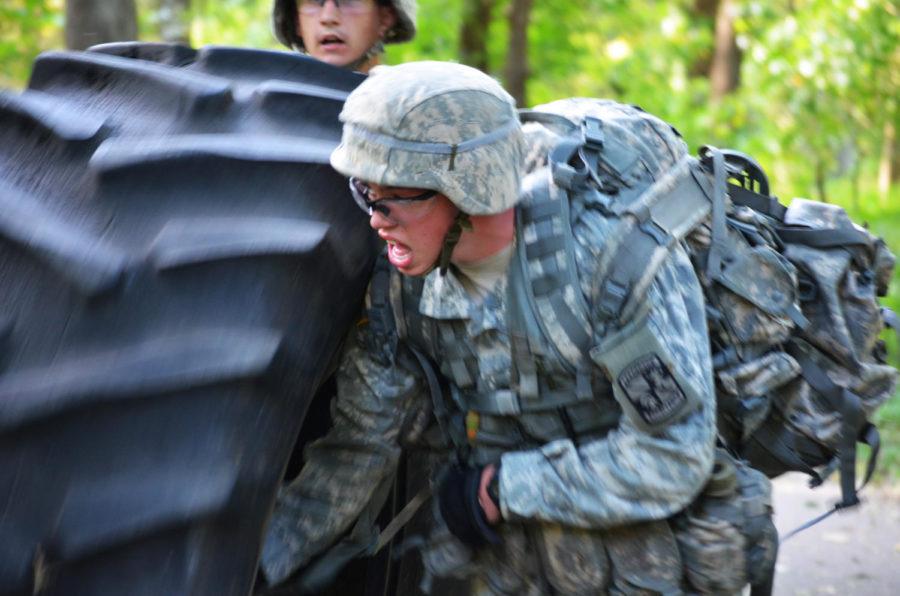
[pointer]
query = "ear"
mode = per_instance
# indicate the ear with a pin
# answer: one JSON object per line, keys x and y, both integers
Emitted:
{"x": 386, "y": 19}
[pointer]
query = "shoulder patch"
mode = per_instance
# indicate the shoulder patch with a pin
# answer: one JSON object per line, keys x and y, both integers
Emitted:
{"x": 652, "y": 389}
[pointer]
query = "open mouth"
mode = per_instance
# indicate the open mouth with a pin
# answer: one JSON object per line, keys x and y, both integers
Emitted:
{"x": 399, "y": 255}
{"x": 331, "y": 41}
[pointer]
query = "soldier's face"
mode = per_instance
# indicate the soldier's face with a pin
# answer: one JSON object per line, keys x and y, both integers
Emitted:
{"x": 341, "y": 33}
{"x": 415, "y": 236}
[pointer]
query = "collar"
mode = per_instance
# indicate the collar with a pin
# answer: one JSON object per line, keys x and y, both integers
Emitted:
{"x": 444, "y": 297}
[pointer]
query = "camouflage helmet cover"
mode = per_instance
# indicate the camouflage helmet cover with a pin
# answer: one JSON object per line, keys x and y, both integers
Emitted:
{"x": 435, "y": 125}
{"x": 284, "y": 22}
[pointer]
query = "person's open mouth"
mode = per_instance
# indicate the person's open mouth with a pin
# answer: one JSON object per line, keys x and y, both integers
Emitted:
{"x": 331, "y": 41}
{"x": 399, "y": 255}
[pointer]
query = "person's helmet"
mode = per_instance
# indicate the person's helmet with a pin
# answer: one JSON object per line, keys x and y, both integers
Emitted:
{"x": 284, "y": 22}
{"x": 438, "y": 126}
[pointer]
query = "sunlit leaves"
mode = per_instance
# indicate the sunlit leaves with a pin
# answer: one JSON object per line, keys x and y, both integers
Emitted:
{"x": 27, "y": 27}
{"x": 819, "y": 78}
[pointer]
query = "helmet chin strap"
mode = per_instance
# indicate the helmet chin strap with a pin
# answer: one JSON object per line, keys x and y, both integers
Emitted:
{"x": 376, "y": 49}
{"x": 460, "y": 223}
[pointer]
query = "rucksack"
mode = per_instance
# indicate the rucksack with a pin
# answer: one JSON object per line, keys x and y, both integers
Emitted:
{"x": 791, "y": 292}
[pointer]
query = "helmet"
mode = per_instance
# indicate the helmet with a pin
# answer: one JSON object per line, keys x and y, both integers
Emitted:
{"x": 284, "y": 22}
{"x": 435, "y": 125}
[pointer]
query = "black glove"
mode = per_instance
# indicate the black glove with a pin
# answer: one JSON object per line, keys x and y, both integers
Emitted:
{"x": 458, "y": 501}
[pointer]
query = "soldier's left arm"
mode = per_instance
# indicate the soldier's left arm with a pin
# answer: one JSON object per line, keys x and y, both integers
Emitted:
{"x": 659, "y": 457}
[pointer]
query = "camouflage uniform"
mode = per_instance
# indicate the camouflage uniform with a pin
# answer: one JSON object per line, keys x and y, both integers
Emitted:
{"x": 583, "y": 488}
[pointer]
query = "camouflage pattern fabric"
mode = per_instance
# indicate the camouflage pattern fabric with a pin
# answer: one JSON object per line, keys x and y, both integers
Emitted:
{"x": 375, "y": 401}
{"x": 630, "y": 475}
{"x": 651, "y": 137}
{"x": 581, "y": 514}
{"x": 546, "y": 493}
{"x": 408, "y": 125}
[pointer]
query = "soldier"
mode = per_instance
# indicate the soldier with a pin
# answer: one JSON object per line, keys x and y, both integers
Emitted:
{"x": 346, "y": 33}
{"x": 559, "y": 479}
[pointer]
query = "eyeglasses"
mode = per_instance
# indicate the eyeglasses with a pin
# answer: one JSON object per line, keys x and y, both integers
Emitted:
{"x": 344, "y": 6}
{"x": 408, "y": 208}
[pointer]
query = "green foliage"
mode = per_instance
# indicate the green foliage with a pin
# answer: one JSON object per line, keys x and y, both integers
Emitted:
{"x": 438, "y": 37}
{"x": 27, "y": 27}
{"x": 215, "y": 22}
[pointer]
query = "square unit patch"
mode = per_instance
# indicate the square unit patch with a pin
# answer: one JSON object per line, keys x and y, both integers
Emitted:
{"x": 651, "y": 389}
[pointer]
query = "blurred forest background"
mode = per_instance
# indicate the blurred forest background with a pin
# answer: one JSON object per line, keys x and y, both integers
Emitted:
{"x": 808, "y": 87}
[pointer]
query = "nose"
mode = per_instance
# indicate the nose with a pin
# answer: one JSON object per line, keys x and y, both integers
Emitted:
{"x": 329, "y": 13}
{"x": 379, "y": 221}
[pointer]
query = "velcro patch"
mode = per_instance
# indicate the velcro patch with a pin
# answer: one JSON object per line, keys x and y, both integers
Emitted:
{"x": 652, "y": 389}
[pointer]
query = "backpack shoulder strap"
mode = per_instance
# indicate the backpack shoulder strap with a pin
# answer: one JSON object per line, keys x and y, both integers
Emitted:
{"x": 545, "y": 257}
{"x": 416, "y": 334}
{"x": 647, "y": 229}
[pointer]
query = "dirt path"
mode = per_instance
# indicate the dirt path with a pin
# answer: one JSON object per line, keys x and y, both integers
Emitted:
{"x": 852, "y": 552}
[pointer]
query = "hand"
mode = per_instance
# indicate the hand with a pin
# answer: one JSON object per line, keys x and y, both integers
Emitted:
{"x": 459, "y": 502}
{"x": 490, "y": 507}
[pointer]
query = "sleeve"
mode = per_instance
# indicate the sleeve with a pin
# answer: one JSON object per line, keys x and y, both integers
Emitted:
{"x": 661, "y": 454}
{"x": 342, "y": 470}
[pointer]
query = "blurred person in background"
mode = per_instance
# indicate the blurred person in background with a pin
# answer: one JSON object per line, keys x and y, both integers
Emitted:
{"x": 345, "y": 33}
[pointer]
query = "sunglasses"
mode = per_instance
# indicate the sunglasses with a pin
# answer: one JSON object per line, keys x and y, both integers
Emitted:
{"x": 392, "y": 207}
{"x": 343, "y": 6}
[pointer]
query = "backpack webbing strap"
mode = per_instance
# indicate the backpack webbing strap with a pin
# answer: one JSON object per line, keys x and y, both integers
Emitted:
{"x": 717, "y": 246}
{"x": 381, "y": 319}
{"x": 766, "y": 587}
{"x": 546, "y": 257}
{"x": 609, "y": 160}
{"x": 823, "y": 238}
{"x": 868, "y": 436}
{"x": 457, "y": 354}
{"x": 524, "y": 373}
{"x": 401, "y": 519}
{"x": 759, "y": 203}
{"x": 439, "y": 406}
{"x": 564, "y": 174}
{"x": 649, "y": 227}
{"x": 361, "y": 541}
{"x": 779, "y": 443}
{"x": 854, "y": 426}
{"x": 547, "y": 118}
{"x": 411, "y": 333}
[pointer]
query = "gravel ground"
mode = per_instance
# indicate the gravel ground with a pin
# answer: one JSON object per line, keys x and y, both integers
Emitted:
{"x": 852, "y": 552}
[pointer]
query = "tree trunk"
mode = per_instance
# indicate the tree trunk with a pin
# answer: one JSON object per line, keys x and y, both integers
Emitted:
{"x": 821, "y": 181}
{"x": 174, "y": 20}
{"x": 89, "y": 22}
{"x": 887, "y": 161}
{"x": 516, "y": 72}
{"x": 473, "y": 33}
{"x": 724, "y": 74}
{"x": 705, "y": 12}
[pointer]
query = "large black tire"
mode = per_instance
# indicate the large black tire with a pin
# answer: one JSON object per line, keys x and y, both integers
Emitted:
{"x": 178, "y": 266}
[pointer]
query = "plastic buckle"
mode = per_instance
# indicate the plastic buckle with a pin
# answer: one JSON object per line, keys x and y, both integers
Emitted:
{"x": 593, "y": 133}
{"x": 612, "y": 298}
{"x": 563, "y": 174}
